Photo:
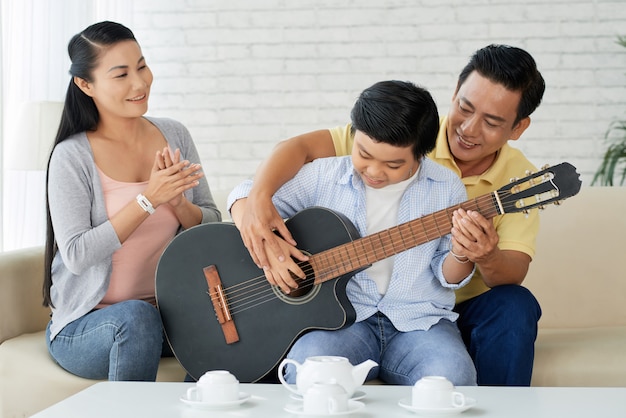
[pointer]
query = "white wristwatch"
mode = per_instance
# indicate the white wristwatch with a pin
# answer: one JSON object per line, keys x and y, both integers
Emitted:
{"x": 145, "y": 203}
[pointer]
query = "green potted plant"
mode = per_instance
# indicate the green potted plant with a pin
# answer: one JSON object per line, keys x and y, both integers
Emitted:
{"x": 614, "y": 161}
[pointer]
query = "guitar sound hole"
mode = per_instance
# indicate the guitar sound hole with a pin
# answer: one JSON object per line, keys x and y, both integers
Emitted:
{"x": 306, "y": 289}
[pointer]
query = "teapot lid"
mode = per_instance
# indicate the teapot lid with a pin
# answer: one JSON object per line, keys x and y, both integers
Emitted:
{"x": 328, "y": 359}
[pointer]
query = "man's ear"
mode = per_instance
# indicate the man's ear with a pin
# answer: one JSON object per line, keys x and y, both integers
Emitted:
{"x": 519, "y": 129}
{"x": 84, "y": 85}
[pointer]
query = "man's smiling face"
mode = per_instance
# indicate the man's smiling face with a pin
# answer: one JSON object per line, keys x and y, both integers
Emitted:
{"x": 480, "y": 122}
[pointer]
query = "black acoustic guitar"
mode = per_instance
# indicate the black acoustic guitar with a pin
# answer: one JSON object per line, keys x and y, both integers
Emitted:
{"x": 219, "y": 311}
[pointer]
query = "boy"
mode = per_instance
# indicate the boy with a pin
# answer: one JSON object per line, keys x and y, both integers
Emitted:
{"x": 403, "y": 303}
{"x": 496, "y": 92}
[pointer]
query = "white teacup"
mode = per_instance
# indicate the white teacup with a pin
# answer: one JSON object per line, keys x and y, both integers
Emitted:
{"x": 215, "y": 386}
{"x": 325, "y": 398}
{"x": 436, "y": 392}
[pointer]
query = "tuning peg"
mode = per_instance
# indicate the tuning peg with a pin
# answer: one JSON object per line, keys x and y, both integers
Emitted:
{"x": 513, "y": 179}
{"x": 526, "y": 212}
{"x": 545, "y": 167}
{"x": 557, "y": 202}
{"x": 541, "y": 207}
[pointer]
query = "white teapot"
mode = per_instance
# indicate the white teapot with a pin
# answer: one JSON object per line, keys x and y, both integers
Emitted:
{"x": 326, "y": 369}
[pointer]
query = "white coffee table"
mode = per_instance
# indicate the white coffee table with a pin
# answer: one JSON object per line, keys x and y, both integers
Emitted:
{"x": 154, "y": 400}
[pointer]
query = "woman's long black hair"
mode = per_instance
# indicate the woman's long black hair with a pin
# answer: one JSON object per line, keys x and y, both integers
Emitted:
{"x": 79, "y": 111}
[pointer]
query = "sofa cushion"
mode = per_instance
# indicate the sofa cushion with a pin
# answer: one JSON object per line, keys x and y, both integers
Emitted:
{"x": 27, "y": 356}
{"x": 580, "y": 357}
{"x": 577, "y": 274}
{"x": 21, "y": 278}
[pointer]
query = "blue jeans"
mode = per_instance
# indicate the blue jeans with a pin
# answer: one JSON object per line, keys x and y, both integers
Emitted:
{"x": 403, "y": 357}
{"x": 121, "y": 342}
{"x": 499, "y": 328}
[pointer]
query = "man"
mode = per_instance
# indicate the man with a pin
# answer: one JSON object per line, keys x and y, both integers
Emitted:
{"x": 495, "y": 94}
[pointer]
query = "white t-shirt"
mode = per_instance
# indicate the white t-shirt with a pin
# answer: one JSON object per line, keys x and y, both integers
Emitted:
{"x": 382, "y": 213}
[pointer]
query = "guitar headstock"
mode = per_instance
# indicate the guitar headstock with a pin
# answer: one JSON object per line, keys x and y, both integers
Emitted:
{"x": 550, "y": 185}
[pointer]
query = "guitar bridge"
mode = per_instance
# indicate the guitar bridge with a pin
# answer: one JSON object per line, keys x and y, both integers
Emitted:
{"x": 220, "y": 304}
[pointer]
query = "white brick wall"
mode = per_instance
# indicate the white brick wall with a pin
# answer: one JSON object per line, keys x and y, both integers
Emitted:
{"x": 245, "y": 74}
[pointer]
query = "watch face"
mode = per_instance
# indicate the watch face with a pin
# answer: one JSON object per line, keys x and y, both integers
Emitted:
{"x": 145, "y": 203}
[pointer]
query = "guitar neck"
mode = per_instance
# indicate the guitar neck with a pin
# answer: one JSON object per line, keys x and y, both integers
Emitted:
{"x": 362, "y": 252}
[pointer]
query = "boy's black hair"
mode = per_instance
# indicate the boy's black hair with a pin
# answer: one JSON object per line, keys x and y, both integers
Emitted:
{"x": 398, "y": 113}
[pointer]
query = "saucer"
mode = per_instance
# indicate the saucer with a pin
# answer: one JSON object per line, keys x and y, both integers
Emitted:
{"x": 297, "y": 408}
{"x": 437, "y": 412}
{"x": 215, "y": 405}
{"x": 356, "y": 396}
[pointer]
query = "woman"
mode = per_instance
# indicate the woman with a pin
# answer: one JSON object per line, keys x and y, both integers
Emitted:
{"x": 119, "y": 188}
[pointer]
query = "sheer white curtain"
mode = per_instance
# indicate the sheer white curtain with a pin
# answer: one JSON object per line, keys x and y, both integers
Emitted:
{"x": 34, "y": 37}
{"x": 1, "y": 136}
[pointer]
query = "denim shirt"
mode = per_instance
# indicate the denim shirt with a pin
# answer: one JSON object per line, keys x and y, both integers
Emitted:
{"x": 418, "y": 295}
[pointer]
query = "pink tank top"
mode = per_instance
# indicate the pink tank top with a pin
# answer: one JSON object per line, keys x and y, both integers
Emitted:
{"x": 134, "y": 264}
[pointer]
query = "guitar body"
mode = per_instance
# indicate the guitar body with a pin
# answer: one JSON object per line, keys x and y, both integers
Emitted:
{"x": 267, "y": 322}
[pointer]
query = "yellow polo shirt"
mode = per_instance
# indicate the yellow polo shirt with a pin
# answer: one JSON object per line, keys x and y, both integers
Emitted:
{"x": 517, "y": 231}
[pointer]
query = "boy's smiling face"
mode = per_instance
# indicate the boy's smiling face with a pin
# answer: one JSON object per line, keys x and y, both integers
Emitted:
{"x": 380, "y": 164}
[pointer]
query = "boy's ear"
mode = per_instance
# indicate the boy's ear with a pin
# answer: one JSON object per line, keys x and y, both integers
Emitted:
{"x": 84, "y": 85}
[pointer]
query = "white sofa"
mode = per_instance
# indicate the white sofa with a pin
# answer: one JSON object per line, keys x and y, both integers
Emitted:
{"x": 29, "y": 379}
{"x": 577, "y": 276}
{"x": 579, "y": 279}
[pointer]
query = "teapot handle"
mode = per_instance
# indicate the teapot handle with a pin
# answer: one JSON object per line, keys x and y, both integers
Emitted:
{"x": 280, "y": 374}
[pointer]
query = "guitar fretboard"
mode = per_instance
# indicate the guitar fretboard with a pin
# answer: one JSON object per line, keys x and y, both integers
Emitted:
{"x": 364, "y": 251}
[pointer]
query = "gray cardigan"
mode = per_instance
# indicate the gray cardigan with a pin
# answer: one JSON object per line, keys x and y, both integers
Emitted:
{"x": 85, "y": 237}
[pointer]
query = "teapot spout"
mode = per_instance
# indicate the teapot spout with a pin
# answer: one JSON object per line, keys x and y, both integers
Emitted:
{"x": 360, "y": 371}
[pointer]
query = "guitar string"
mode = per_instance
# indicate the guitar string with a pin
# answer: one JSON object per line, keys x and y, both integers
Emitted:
{"x": 239, "y": 296}
{"x": 394, "y": 230}
{"x": 305, "y": 282}
{"x": 303, "y": 285}
{"x": 427, "y": 218}
{"x": 309, "y": 281}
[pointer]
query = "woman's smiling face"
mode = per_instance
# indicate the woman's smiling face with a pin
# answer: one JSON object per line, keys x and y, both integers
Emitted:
{"x": 121, "y": 81}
